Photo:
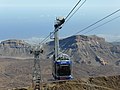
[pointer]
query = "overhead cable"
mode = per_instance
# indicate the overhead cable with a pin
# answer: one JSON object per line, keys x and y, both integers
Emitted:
{"x": 65, "y": 19}
{"x": 76, "y": 11}
{"x": 98, "y": 21}
{"x": 103, "y": 24}
{"x": 93, "y": 25}
{"x": 72, "y": 9}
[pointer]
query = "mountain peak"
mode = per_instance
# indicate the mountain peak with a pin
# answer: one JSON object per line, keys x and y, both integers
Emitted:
{"x": 87, "y": 49}
{"x": 14, "y": 47}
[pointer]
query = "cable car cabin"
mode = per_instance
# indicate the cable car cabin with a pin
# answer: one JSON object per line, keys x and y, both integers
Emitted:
{"x": 62, "y": 67}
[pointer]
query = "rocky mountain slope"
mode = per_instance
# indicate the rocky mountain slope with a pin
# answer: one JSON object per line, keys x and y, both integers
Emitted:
{"x": 14, "y": 48}
{"x": 96, "y": 83}
{"x": 91, "y": 50}
{"x": 92, "y": 57}
{"x": 91, "y": 83}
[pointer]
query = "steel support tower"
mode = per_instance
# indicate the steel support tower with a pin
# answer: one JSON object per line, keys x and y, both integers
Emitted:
{"x": 36, "y": 76}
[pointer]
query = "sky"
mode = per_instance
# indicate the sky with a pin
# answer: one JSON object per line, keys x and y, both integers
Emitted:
{"x": 33, "y": 19}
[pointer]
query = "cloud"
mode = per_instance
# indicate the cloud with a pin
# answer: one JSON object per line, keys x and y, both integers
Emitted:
{"x": 110, "y": 38}
{"x": 33, "y": 40}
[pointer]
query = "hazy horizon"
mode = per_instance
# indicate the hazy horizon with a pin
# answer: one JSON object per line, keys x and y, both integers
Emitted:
{"x": 26, "y": 19}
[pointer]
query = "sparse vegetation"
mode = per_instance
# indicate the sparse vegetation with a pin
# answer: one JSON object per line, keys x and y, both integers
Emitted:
{"x": 17, "y": 72}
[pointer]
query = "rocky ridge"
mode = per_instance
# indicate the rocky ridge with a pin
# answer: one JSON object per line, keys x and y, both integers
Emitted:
{"x": 91, "y": 50}
{"x": 14, "y": 48}
{"x": 92, "y": 57}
